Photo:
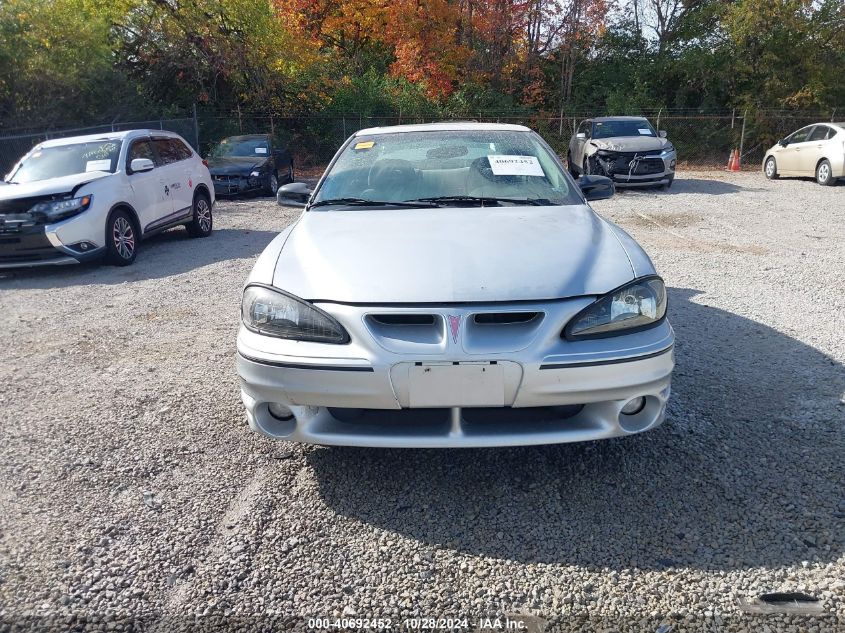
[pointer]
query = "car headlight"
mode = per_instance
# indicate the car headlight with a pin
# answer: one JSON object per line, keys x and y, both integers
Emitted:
{"x": 667, "y": 150}
{"x": 56, "y": 210}
{"x": 255, "y": 174}
{"x": 637, "y": 305}
{"x": 275, "y": 313}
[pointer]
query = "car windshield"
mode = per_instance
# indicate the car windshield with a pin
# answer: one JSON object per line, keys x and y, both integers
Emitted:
{"x": 446, "y": 168}
{"x": 241, "y": 147}
{"x": 609, "y": 129}
{"x": 44, "y": 163}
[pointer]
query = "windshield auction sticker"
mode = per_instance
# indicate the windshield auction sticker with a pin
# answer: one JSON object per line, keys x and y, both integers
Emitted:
{"x": 98, "y": 165}
{"x": 503, "y": 165}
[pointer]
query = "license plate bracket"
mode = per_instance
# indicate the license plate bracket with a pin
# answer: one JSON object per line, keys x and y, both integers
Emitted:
{"x": 471, "y": 384}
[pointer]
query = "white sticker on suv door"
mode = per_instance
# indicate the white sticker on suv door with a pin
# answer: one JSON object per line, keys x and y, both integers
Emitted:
{"x": 507, "y": 165}
{"x": 98, "y": 165}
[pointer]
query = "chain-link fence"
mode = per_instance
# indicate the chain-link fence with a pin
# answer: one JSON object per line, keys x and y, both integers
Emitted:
{"x": 703, "y": 140}
{"x": 15, "y": 144}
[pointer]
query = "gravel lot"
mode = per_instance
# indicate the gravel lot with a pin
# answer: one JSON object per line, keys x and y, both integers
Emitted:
{"x": 133, "y": 495}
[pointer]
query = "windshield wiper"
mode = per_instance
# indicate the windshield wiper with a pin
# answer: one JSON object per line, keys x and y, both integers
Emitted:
{"x": 484, "y": 200}
{"x": 361, "y": 202}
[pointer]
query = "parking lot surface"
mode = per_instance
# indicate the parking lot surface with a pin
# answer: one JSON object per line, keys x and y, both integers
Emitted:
{"x": 131, "y": 489}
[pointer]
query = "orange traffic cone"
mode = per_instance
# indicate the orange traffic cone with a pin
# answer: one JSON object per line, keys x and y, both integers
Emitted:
{"x": 737, "y": 166}
{"x": 730, "y": 161}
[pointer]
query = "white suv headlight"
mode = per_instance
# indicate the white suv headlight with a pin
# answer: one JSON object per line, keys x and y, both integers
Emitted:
{"x": 272, "y": 312}
{"x": 634, "y": 306}
{"x": 56, "y": 210}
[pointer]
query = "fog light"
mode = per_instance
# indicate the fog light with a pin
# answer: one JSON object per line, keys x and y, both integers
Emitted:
{"x": 280, "y": 411}
{"x": 634, "y": 406}
{"x": 82, "y": 247}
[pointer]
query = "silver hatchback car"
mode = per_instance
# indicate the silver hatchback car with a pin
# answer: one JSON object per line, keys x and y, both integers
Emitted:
{"x": 448, "y": 285}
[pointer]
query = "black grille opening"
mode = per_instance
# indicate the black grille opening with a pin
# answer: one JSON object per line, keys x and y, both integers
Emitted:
{"x": 504, "y": 318}
{"x": 403, "y": 319}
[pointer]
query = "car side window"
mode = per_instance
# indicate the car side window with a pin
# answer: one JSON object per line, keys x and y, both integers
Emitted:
{"x": 182, "y": 149}
{"x": 820, "y": 133}
{"x": 168, "y": 152}
{"x": 141, "y": 149}
{"x": 801, "y": 135}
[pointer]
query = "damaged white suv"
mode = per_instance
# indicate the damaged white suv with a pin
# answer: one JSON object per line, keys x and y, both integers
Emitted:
{"x": 87, "y": 197}
{"x": 626, "y": 149}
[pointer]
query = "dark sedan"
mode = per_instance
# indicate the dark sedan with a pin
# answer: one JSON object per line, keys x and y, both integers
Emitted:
{"x": 246, "y": 164}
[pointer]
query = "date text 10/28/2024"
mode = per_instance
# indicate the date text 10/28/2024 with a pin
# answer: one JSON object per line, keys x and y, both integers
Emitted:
{"x": 479, "y": 625}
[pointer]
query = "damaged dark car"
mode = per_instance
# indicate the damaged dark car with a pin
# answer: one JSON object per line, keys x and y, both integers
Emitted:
{"x": 626, "y": 149}
{"x": 249, "y": 164}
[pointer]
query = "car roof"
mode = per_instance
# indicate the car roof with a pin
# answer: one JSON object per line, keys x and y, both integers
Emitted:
{"x": 246, "y": 137}
{"x": 602, "y": 119}
{"x": 105, "y": 136}
{"x": 444, "y": 126}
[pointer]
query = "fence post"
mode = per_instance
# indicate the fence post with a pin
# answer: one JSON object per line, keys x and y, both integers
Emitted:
{"x": 160, "y": 124}
{"x": 733, "y": 117}
{"x": 659, "y": 112}
{"x": 832, "y": 115}
{"x": 196, "y": 129}
{"x": 742, "y": 134}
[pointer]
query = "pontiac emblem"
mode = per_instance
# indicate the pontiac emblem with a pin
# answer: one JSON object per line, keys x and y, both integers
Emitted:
{"x": 455, "y": 326}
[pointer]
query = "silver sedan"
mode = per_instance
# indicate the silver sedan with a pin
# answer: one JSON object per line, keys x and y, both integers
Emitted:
{"x": 448, "y": 285}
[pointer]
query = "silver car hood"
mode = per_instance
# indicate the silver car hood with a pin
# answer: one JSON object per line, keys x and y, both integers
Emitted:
{"x": 630, "y": 143}
{"x": 451, "y": 255}
{"x": 51, "y": 186}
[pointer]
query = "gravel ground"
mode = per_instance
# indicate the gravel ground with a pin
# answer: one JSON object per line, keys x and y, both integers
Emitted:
{"x": 133, "y": 496}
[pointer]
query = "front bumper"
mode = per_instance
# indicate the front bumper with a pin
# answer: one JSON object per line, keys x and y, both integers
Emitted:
{"x": 233, "y": 185}
{"x": 552, "y": 391}
{"x": 633, "y": 170}
{"x": 38, "y": 245}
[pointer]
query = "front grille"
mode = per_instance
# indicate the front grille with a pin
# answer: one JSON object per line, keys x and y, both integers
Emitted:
{"x": 403, "y": 319}
{"x": 27, "y": 245}
{"x": 22, "y": 205}
{"x": 504, "y": 318}
{"x": 14, "y": 223}
{"x": 620, "y": 163}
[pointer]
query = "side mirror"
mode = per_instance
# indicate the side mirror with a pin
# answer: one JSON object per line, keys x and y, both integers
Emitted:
{"x": 783, "y": 142}
{"x": 596, "y": 187}
{"x": 295, "y": 194}
{"x": 139, "y": 165}
{"x": 662, "y": 134}
{"x": 581, "y": 135}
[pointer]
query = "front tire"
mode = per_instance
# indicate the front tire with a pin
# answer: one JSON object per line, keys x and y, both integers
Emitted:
{"x": 771, "y": 168}
{"x": 203, "y": 221}
{"x": 121, "y": 239}
{"x": 571, "y": 166}
{"x": 272, "y": 184}
{"x": 824, "y": 174}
